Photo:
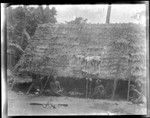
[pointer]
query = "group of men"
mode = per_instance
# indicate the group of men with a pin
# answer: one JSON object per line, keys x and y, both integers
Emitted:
{"x": 51, "y": 86}
{"x": 54, "y": 88}
{"x": 99, "y": 90}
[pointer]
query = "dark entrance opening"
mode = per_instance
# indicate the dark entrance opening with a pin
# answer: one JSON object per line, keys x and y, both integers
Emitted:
{"x": 121, "y": 90}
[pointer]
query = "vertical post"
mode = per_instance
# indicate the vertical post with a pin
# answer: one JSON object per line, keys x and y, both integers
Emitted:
{"x": 108, "y": 14}
{"x": 116, "y": 79}
{"x": 90, "y": 84}
{"x": 87, "y": 87}
{"x": 129, "y": 75}
{"x": 128, "y": 90}
{"x": 114, "y": 88}
{"x": 30, "y": 88}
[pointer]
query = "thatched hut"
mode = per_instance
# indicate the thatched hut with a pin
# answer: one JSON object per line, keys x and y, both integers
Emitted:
{"x": 72, "y": 51}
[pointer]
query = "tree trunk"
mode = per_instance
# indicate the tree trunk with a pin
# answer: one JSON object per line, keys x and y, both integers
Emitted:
{"x": 128, "y": 94}
{"x": 42, "y": 12}
{"x": 108, "y": 14}
{"x": 22, "y": 58}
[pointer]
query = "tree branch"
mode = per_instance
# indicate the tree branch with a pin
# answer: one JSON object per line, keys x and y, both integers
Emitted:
{"x": 16, "y": 46}
{"x": 27, "y": 35}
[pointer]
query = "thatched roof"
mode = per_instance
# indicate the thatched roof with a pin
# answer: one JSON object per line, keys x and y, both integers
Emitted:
{"x": 62, "y": 48}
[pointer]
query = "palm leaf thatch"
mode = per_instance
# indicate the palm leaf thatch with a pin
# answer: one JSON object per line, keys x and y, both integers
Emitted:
{"x": 71, "y": 50}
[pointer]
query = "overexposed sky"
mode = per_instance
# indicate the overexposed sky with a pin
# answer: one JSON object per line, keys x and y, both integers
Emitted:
{"x": 97, "y": 13}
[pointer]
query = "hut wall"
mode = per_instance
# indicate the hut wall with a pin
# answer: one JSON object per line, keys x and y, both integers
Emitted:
{"x": 74, "y": 84}
{"x": 71, "y": 84}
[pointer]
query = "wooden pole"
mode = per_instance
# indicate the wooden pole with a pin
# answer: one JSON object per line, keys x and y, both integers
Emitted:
{"x": 87, "y": 87}
{"x": 128, "y": 94}
{"x": 90, "y": 84}
{"x": 30, "y": 88}
{"x": 114, "y": 88}
{"x": 108, "y": 14}
{"x": 45, "y": 85}
{"x": 116, "y": 79}
{"x": 129, "y": 75}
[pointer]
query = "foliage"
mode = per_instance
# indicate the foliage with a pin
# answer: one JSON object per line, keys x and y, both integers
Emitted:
{"x": 23, "y": 21}
{"x": 43, "y": 55}
{"x": 78, "y": 21}
{"x": 46, "y": 15}
{"x": 30, "y": 17}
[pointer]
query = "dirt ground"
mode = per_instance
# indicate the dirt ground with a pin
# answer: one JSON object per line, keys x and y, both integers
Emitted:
{"x": 19, "y": 104}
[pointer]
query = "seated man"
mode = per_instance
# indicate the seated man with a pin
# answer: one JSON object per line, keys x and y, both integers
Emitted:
{"x": 98, "y": 90}
{"x": 55, "y": 86}
{"x": 36, "y": 84}
{"x": 138, "y": 95}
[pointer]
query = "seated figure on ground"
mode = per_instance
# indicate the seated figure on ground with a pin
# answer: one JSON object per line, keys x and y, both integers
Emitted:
{"x": 98, "y": 90}
{"x": 55, "y": 86}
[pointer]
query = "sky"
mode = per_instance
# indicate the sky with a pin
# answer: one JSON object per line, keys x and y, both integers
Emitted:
{"x": 97, "y": 13}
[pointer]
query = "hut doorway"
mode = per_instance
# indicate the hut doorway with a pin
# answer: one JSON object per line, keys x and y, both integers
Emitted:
{"x": 121, "y": 90}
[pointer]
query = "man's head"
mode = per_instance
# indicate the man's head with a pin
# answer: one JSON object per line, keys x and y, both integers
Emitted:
{"x": 54, "y": 78}
{"x": 98, "y": 81}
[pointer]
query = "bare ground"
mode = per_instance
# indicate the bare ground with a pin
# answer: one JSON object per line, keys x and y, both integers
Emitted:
{"x": 19, "y": 104}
